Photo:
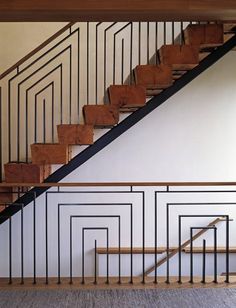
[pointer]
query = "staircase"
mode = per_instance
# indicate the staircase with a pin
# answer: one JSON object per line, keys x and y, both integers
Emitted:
{"x": 196, "y": 48}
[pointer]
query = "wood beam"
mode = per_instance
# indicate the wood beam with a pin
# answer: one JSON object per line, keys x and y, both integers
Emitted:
{"x": 116, "y": 10}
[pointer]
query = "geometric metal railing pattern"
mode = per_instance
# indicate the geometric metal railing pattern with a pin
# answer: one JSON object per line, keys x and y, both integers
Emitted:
{"x": 73, "y": 70}
{"x": 62, "y": 236}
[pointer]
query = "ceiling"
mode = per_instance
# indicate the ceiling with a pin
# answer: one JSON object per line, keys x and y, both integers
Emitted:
{"x": 117, "y": 10}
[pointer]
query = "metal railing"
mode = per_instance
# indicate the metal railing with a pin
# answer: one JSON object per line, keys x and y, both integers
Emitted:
{"x": 70, "y": 212}
{"x": 51, "y": 85}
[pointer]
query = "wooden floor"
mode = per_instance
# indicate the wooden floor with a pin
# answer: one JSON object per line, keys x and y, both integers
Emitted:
{"x": 113, "y": 283}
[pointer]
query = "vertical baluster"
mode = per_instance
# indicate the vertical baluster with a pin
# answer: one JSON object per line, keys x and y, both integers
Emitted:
{"x": 53, "y": 112}
{"x": 143, "y": 201}
{"x": 191, "y": 255}
{"x": 83, "y": 256}
{"x": 204, "y": 262}
{"x": 164, "y": 33}
{"x": 0, "y": 134}
{"x": 180, "y": 252}
{"x": 95, "y": 262}
{"x": 167, "y": 245}
{"x": 155, "y": 236}
{"x": 227, "y": 249}
{"x": 131, "y": 243}
{"x": 107, "y": 256}
{"x": 131, "y": 53}
{"x": 119, "y": 256}
{"x": 34, "y": 238}
{"x": 10, "y": 251}
{"x": 71, "y": 268}
{"x": 173, "y": 32}
{"x": 22, "y": 245}
{"x": 215, "y": 255}
{"x": 58, "y": 246}
{"x": 148, "y": 34}
{"x": 44, "y": 121}
{"x": 122, "y": 62}
{"x": 87, "y": 63}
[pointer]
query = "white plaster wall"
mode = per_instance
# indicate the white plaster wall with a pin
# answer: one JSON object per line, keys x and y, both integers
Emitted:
{"x": 189, "y": 138}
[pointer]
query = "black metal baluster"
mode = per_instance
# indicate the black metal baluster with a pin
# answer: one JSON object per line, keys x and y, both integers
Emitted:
{"x": 71, "y": 266}
{"x": 70, "y": 85}
{"x": 82, "y": 256}
{"x": 46, "y": 236}
{"x": 155, "y": 237}
{"x": 78, "y": 72}
{"x": 95, "y": 262}
{"x": 34, "y": 238}
{"x": 119, "y": 256}
{"x": 26, "y": 128}
{"x": 122, "y": 62}
{"x": 148, "y": 34}
{"x": 53, "y": 119}
{"x": 61, "y": 97}
{"x": 58, "y": 246}
{"x": 173, "y": 32}
{"x": 44, "y": 121}
{"x": 18, "y": 123}
{"x": 10, "y": 252}
{"x": 35, "y": 119}
{"x": 204, "y": 262}
{"x": 131, "y": 54}
{"x": 227, "y": 249}
{"x": 131, "y": 243}
{"x": 139, "y": 42}
{"x": 156, "y": 43}
{"x": 215, "y": 255}
{"x": 181, "y": 33}
{"x": 167, "y": 245}
{"x": 107, "y": 256}
{"x": 22, "y": 245}
{"x": 180, "y": 252}
{"x": 87, "y": 63}
{"x": 164, "y": 33}
{"x": 0, "y": 134}
{"x": 9, "y": 121}
{"x": 191, "y": 255}
{"x": 143, "y": 201}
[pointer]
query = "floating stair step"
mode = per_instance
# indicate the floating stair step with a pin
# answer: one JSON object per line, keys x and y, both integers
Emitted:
{"x": 208, "y": 35}
{"x": 7, "y": 196}
{"x": 210, "y": 250}
{"x": 153, "y": 77}
{"x": 50, "y": 153}
{"x": 101, "y": 115}
{"x": 136, "y": 250}
{"x": 26, "y": 173}
{"x": 75, "y": 134}
{"x": 127, "y": 98}
{"x": 180, "y": 57}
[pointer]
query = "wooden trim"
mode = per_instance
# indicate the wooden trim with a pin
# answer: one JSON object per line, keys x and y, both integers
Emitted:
{"x": 120, "y": 184}
{"x": 37, "y": 49}
{"x": 210, "y": 250}
{"x": 135, "y": 250}
{"x": 185, "y": 244}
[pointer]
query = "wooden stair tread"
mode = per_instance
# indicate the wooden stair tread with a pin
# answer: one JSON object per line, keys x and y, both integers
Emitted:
{"x": 136, "y": 250}
{"x": 210, "y": 250}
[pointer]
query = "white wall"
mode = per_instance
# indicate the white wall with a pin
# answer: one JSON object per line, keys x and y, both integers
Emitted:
{"x": 189, "y": 138}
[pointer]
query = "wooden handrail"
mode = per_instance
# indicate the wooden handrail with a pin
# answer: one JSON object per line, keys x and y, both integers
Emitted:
{"x": 37, "y": 49}
{"x": 118, "y": 184}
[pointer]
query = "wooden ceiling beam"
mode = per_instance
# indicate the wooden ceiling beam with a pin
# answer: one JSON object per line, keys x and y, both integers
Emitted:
{"x": 117, "y": 10}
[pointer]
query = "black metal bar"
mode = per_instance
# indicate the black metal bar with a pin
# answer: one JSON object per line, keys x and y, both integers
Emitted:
{"x": 34, "y": 239}
{"x": 59, "y": 246}
{"x": 122, "y": 61}
{"x": 173, "y": 32}
{"x": 167, "y": 245}
{"x": 131, "y": 54}
{"x": 44, "y": 121}
{"x": 139, "y": 42}
{"x": 191, "y": 255}
{"x": 95, "y": 262}
{"x": 131, "y": 244}
{"x": 83, "y": 256}
{"x": 9, "y": 120}
{"x": 78, "y": 76}
{"x": 10, "y": 251}
{"x": 155, "y": 237}
{"x": 22, "y": 245}
{"x": 53, "y": 112}
{"x": 148, "y": 37}
{"x": 143, "y": 223}
{"x": 204, "y": 262}
{"x": 156, "y": 43}
{"x": 107, "y": 257}
{"x": 46, "y": 236}
{"x": 18, "y": 123}
{"x": 71, "y": 268}
{"x": 96, "y": 66}
{"x": 180, "y": 252}
{"x": 215, "y": 255}
{"x": 227, "y": 249}
{"x": 70, "y": 87}
{"x": 119, "y": 256}
{"x": 164, "y": 33}
{"x": 87, "y": 63}
{"x": 0, "y": 134}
